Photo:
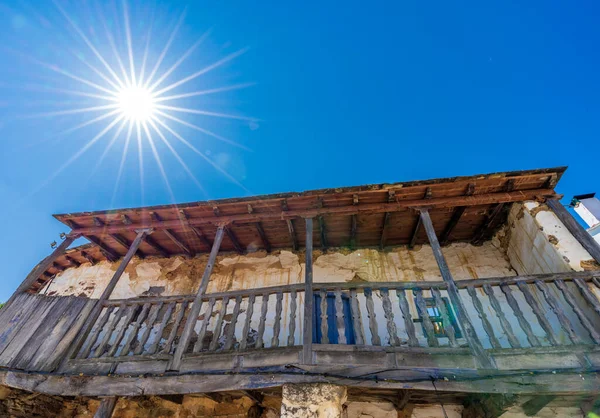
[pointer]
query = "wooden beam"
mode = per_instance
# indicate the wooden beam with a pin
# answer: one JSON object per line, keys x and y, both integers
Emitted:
{"x": 106, "y": 408}
{"x": 236, "y": 244}
{"x": 88, "y": 257}
{"x": 413, "y": 238}
{"x": 172, "y": 236}
{"x": 57, "y": 266}
{"x": 533, "y": 406}
{"x": 290, "y": 225}
{"x": 575, "y": 228}
{"x": 456, "y": 215}
{"x": 263, "y": 237}
{"x": 119, "y": 238}
{"x": 386, "y": 220}
{"x": 156, "y": 246}
{"x": 197, "y": 304}
{"x": 108, "y": 253}
{"x": 484, "y": 360}
{"x": 487, "y": 405}
{"x": 196, "y": 230}
{"x": 72, "y": 261}
{"x": 491, "y": 218}
{"x": 441, "y": 202}
{"x": 353, "y": 224}
{"x": 308, "y": 296}
{"x": 323, "y": 232}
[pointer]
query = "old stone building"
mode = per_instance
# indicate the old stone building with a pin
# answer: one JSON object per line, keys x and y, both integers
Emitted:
{"x": 470, "y": 296}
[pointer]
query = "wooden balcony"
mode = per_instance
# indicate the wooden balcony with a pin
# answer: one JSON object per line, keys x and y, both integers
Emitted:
{"x": 525, "y": 330}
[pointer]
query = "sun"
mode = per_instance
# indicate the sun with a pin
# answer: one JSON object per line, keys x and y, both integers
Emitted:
{"x": 136, "y": 103}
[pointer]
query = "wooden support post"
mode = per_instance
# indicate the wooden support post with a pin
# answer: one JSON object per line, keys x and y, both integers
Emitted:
{"x": 190, "y": 323}
{"x": 480, "y": 354}
{"x": 308, "y": 295}
{"x": 106, "y": 408}
{"x": 42, "y": 267}
{"x": 575, "y": 228}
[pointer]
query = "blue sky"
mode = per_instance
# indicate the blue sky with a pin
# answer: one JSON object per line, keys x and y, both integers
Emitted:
{"x": 345, "y": 93}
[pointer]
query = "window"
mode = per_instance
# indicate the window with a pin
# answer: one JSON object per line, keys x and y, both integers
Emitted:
{"x": 436, "y": 318}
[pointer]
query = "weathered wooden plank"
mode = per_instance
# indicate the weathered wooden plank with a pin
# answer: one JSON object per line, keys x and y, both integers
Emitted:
{"x": 425, "y": 319}
{"x": 154, "y": 310}
{"x": 261, "y": 323}
{"x": 446, "y": 324}
{"x": 106, "y": 408}
{"x": 168, "y": 344}
{"x": 506, "y": 327}
{"x": 292, "y": 325}
{"x": 133, "y": 334}
{"x": 565, "y": 323}
{"x": 375, "y": 340}
{"x": 159, "y": 332}
{"x": 307, "y": 331}
{"x": 277, "y": 323}
{"x": 199, "y": 345}
{"x": 117, "y": 313}
{"x": 18, "y": 319}
{"x": 230, "y": 336}
{"x": 93, "y": 335}
{"x": 487, "y": 326}
{"x": 324, "y": 317}
{"x": 540, "y": 315}
{"x": 585, "y": 321}
{"x": 339, "y": 316}
{"x": 389, "y": 317}
{"x": 197, "y": 303}
{"x": 407, "y": 317}
{"x": 247, "y": 322}
{"x": 588, "y": 295}
{"x": 123, "y": 325}
{"x": 512, "y": 302}
{"x": 359, "y": 332}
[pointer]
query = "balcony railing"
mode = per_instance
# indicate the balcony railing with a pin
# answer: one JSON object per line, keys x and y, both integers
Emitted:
{"x": 508, "y": 314}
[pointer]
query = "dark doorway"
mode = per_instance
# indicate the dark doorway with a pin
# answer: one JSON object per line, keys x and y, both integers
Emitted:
{"x": 332, "y": 332}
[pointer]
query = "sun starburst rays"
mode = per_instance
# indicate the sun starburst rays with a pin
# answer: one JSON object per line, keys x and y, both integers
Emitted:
{"x": 131, "y": 97}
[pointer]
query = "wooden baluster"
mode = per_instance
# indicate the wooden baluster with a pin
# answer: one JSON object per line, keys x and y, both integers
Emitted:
{"x": 339, "y": 316}
{"x": 246, "y": 330}
{"x": 93, "y": 336}
{"x": 217, "y": 331}
{"x": 407, "y": 317}
{"x": 149, "y": 326}
{"x": 291, "y": 341}
{"x": 135, "y": 329}
{"x": 263, "y": 318}
{"x": 168, "y": 344}
{"x": 324, "y": 316}
{"x": 446, "y": 324}
{"x": 277, "y": 323}
{"x": 588, "y": 295}
{"x": 487, "y": 326}
{"x": 231, "y": 330}
{"x": 570, "y": 298}
{"x": 207, "y": 317}
{"x": 537, "y": 310}
{"x": 131, "y": 310}
{"x": 109, "y": 330}
{"x": 161, "y": 328}
{"x": 389, "y": 317}
{"x": 512, "y": 302}
{"x": 562, "y": 318}
{"x": 426, "y": 320}
{"x": 506, "y": 327}
{"x": 359, "y": 332}
{"x": 375, "y": 340}
{"x": 596, "y": 281}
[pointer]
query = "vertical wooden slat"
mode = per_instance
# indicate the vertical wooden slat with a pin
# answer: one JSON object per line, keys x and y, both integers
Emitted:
{"x": 93, "y": 336}
{"x": 447, "y": 325}
{"x": 219, "y": 324}
{"x": 135, "y": 329}
{"x": 375, "y": 340}
{"x": 359, "y": 332}
{"x": 168, "y": 344}
{"x": 130, "y": 312}
{"x": 324, "y": 317}
{"x": 407, "y": 317}
{"x": 292, "y": 325}
{"x": 588, "y": 295}
{"x": 231, "y": 330}
{"x": 163, "y": 323}
{"x": 556, "y": 308}
{"x": 506, "y": 327}
{"x": 537, "y": 310}
{"x": 339, "y": 316}
{"x": 139, "y": 349}
{"x": 307, "y": 332}
{"x": 247, "y": 322}
{"x": 106, "y": 407}
{"x": 512, "y": 302}
{"x": 263, "y": 318}
{"x": 109, "y": 330}
{"x": 207, "y": 317}
{"x": 570, "y": 298}
{"x": 277, "y": 323}
{"x": 487, "y": 326}
{"x": 389, "y": 317}
{"x": 425, "y": 319}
